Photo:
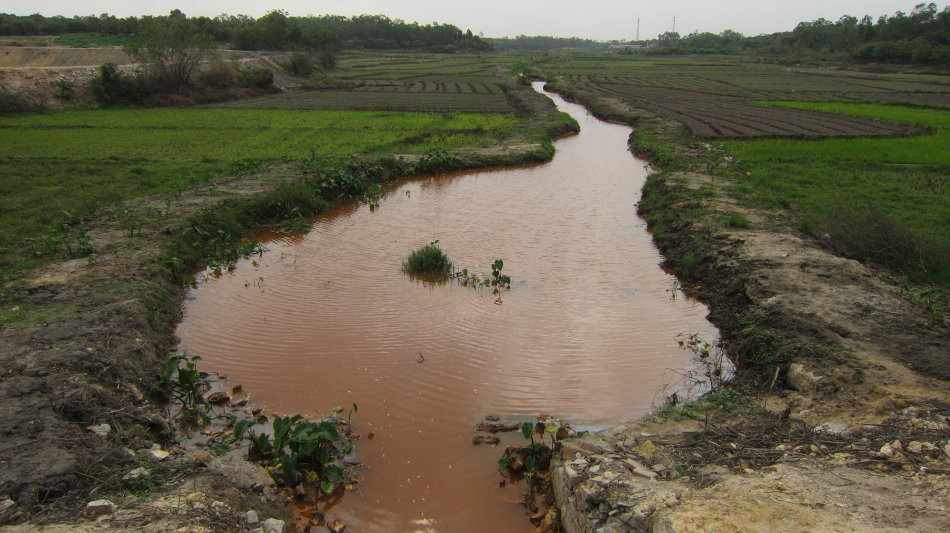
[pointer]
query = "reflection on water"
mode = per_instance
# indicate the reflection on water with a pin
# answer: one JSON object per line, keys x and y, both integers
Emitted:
{"x": 587, "y": 332}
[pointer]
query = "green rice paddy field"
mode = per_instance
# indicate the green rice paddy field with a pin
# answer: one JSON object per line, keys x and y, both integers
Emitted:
{"x": 78, "y": 161}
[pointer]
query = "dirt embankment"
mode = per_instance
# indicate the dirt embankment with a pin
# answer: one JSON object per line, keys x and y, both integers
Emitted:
{"x": 844, "y": 425}
{"x": 76, "y": 416}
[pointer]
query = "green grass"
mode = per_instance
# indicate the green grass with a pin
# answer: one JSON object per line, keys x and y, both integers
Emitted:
{"x": 428, "y": 260}
{"x": 91, "y": 40}
{"x": 903, "y": 181}
{"x": 80, "y": 161}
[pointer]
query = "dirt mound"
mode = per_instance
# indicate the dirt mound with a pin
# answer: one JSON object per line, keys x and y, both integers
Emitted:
{"x": 45, "y": 57}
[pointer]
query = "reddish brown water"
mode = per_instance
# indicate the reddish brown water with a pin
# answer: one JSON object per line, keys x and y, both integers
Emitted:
{"x": 587, "y": 332}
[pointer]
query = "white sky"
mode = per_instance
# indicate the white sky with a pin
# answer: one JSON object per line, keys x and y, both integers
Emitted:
{"x": 594, "y": 19}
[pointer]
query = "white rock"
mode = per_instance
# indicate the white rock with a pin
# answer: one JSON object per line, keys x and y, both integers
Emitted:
{"x": 799, "y": 379}
{"x": 572, "y": 476}
{"x": 132, "y": 475}
{"x": 158, "y": 455}
{"x": 102, "y": 430}
{"x": 273, "y": 525}
{"x": 100, "y": 507}
{"x": 639, "y": 469}
{"x": 833, "y": 428}
{"x": 251, "y": 518}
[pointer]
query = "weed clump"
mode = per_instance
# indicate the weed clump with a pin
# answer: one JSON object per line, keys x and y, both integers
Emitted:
{"x": 429, "y": 260}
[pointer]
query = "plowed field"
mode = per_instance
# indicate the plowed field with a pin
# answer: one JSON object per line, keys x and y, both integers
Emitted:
{"x": 724, "y": 100}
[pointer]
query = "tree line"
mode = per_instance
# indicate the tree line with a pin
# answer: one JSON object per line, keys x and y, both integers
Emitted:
{"x": 922, "y": 36}
{"x": 274, "y": 31}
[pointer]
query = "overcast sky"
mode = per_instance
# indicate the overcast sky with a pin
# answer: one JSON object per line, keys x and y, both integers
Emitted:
{"x": 594, "y": 19}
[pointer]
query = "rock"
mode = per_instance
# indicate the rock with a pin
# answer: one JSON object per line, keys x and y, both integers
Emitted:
{"x": 893, "y": 451}
{"x": 6, "y": 504}
{"x": 637, "y": 468}
{"x": 833, "y": 428}
{"x": 920, "y": 447}
{"x": 202, "y": 456}
{"x": 799, "y": 379}
{"x": 497, "y": 427}
{"x": 102, "y": 430}
{"x": 218, "y": 398}
{"x": 138, "y": 473}
{"x": 251, "y": 519}
{"x": 591, "y": 494}
{"x": 273, "y": 525}
{"x": 241, "y": 473}
{"x": 646, "y": 449}
{"x": 485, "y": 439}
{"x": 100, "y": 508}
{"x": 336, "y": 526}
{"x": 158, "y": 455}
{"x": 195, "y": 497}
{"x": 570, "y": 449}
{"x": 604, "y": 479}
{"x": 220, "y": 507}
{"x": 572, "y": 476}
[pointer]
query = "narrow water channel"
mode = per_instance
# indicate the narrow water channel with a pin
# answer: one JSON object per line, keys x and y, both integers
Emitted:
{"x": 587, "y": 332}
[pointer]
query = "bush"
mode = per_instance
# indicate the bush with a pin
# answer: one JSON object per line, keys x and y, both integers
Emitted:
{"x": 218, "y": 75}
{"x": 300, "y": 64}
{"x": 111, "y": 87}
{"x": 255, "y": 77}
{"x": 428, "y": 260}
{"x": 327, "y": 58}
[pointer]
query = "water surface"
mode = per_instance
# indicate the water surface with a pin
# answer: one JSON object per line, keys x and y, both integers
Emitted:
{"x": 587, "y": 332}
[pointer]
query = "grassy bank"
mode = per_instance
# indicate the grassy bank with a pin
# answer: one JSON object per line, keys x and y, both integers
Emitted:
{"x": 58, "y": 167}
{"x": 882, "y": 200}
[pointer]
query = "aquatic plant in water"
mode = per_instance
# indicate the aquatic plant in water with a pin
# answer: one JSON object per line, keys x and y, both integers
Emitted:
{"x": 428, "y": 260}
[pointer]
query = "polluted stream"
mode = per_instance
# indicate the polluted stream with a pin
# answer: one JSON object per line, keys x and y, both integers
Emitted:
{"x": 587, "y": 333}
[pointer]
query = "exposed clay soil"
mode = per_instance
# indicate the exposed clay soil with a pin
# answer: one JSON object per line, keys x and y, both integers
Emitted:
{"x": 848, "y": 355}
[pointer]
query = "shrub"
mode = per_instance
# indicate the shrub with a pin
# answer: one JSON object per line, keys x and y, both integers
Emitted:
{"x": 107, "y": 87}
{"x": 327, "y": 58}
{"x": 300, "y": 64}
{"x": 255, "y": 77}
{"x": 428, "y": 260}
{"x": 218, "y": 75}
{"x": 735, "y": 220}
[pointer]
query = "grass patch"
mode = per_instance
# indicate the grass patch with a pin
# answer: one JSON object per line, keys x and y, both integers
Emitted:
{"x": 428, "y": 260}
{"x": 81, "y": 161}
{"x": 735, "y": 220}
{"x": 879, "y": 199}
{"x": 92, "y": 40}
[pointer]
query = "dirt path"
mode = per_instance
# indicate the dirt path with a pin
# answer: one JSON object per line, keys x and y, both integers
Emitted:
{"x": 852, "y": 432}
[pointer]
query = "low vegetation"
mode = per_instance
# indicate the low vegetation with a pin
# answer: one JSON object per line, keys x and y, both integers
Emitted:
{"x": 97, "y": 158}
{"x": 878, "y": 200}
{"x": 428, "y": 260}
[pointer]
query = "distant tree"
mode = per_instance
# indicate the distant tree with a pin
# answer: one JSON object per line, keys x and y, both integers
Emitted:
{"x": 171, "y": 49}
